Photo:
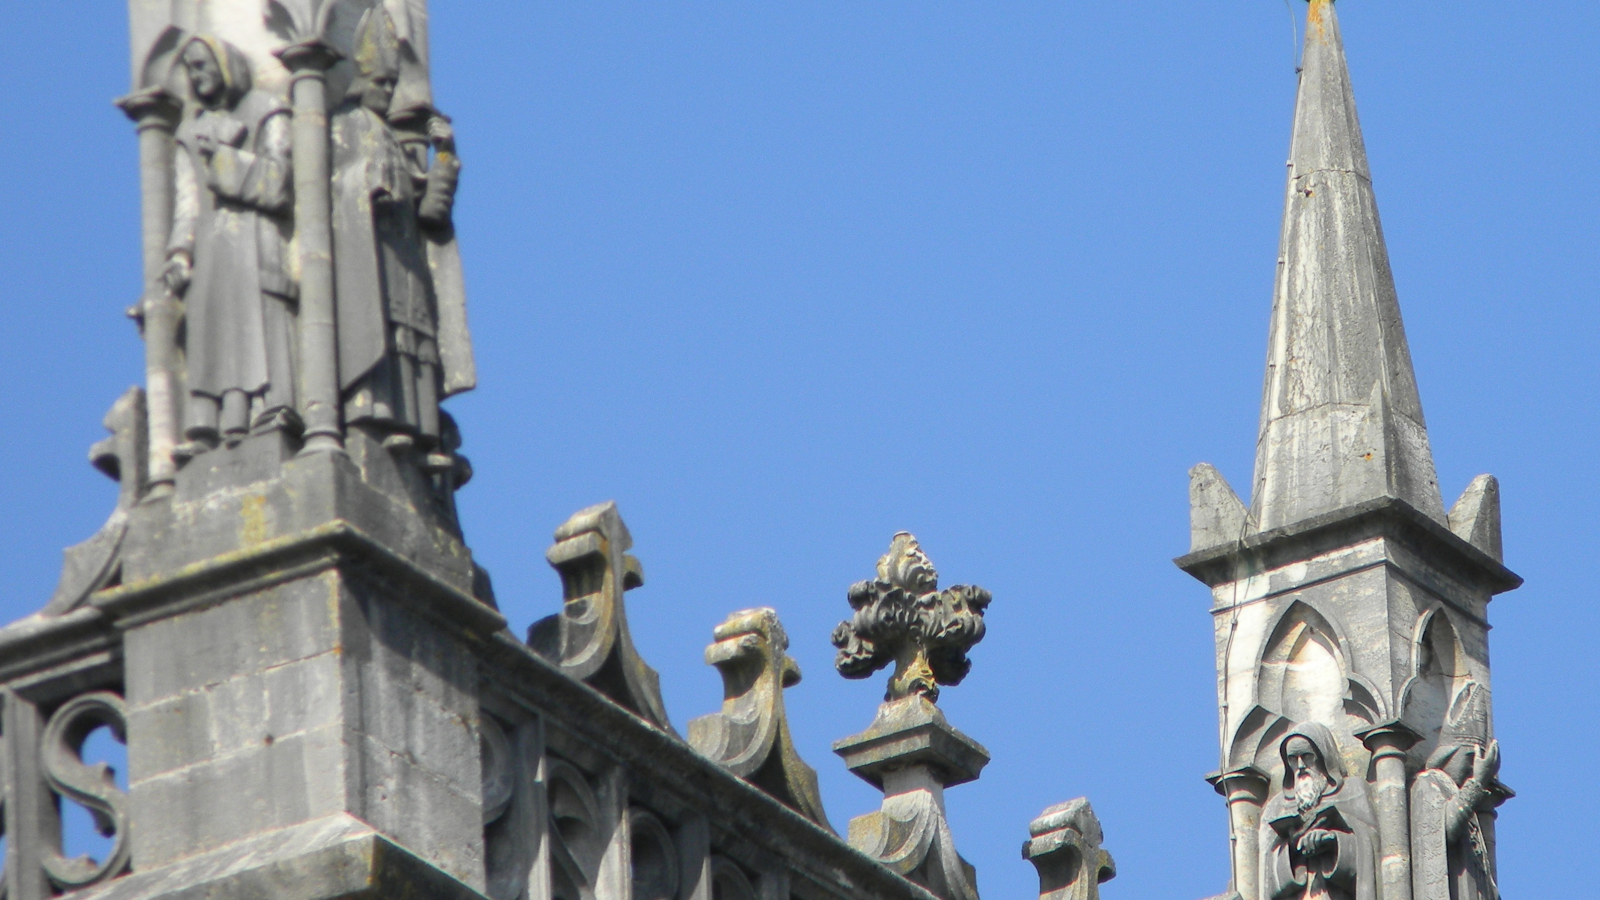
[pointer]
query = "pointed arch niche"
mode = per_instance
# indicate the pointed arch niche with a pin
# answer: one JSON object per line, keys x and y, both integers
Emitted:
{"x": 1303, "y": 676}
{"x": 1441, "y": 694}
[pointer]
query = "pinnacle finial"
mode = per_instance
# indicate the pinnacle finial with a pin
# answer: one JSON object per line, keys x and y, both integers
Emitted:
{"x": 903, "y": 618}
{"x": 1341, "y": 419}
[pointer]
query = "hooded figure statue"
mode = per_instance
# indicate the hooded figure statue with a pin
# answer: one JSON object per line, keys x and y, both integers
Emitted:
{"x": 1319, "y": 838}
{"x": 401, "y": 316}
{"x": 1452, "y": 822}
{"x": 228, "y": 255}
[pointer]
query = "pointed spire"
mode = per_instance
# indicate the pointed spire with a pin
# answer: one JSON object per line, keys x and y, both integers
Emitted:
{"x": 1341, "y": 421}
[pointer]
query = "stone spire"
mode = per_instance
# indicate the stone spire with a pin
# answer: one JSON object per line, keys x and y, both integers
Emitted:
{"x": 1341, "y": 421}
{"x": 1346, "y": 565}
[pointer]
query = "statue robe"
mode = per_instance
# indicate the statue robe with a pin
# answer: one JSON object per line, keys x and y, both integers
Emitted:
{"x": 1349, "y": 871}
{"x": 1446, "y": 865}
{"x": 387, "y": 217}
{"x": 231, "y": 215}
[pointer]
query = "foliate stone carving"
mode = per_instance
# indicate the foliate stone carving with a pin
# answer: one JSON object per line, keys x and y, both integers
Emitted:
{"x": 1064, "y": 845}
{"x": 1319, "y": 837}
{"x": 589, "y": 638}
{"x": 750, "y": 736}
{"x": 401, "y": 320}
{"x": 93, "y": 787}
{"x": 910, "y": 751}
{"x": 124, "y": 456}
{"x": 902, "y": 617}
{"x": 228, "y": 255}
{"x": 1452, "y": 823}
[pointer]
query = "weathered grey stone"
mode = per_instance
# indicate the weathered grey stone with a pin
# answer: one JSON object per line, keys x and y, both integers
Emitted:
{"x": 1319, "y": 836}
{"x": 125, "y": 457}
{"x": 1341, "y": 420}
{"x": 911, "y": 752}
{"x": 1216, "y": 514}
{"x": 1064, "y": 845}
{"x": 907, "y": 732}
{"x": 904, "y": 618}
{"x": 1452, "y": 823}
{"x": 1348, "y": 607}
{"x": 1475, "y": 517}
{"x": 750, "y": 736}
{"x": 589, "y": 638}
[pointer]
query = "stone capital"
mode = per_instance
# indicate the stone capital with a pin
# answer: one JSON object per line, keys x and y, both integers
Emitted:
{"x": 1241, "y": 784}
{"x": 308, "y": 58}
{"x": 1388, "y": 738}
{"x": 151, "y": 107}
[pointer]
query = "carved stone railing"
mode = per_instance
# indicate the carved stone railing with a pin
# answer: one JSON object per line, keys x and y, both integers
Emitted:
{"x": 62, "y": 683}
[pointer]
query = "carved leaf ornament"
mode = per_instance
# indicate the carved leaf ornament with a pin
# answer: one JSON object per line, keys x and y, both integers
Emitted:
{"x": 902, "y": 617}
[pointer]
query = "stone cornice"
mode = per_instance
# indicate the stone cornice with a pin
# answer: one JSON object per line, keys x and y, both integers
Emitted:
{"x": 1386, "y": 517}
{"x": 333, "y": 544}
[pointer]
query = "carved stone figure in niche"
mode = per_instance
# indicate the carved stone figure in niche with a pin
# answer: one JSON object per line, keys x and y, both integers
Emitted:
{"x": 228, "y": 256}
{"x": 1319, "y": 838}
{"x": 1452, "y": 833}
{"x": 904, "y": 618}
{"x": 387, "y": 206}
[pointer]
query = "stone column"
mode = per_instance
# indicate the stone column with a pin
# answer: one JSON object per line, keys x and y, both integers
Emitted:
{"x": 1246, "y": 791}
{"x": 32, "y": 821}
{"x": 1388, "y": 744}
{"x": 308, "y": 62}
{"x": 155, "y": 112}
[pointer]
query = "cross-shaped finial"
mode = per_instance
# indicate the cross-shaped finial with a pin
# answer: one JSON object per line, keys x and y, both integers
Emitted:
{"x": 903, "y": 617}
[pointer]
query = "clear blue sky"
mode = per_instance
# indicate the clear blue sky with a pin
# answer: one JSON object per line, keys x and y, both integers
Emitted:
{"x": 782, "y": 279}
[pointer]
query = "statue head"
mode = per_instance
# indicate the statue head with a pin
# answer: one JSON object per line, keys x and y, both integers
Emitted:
{"x": 905, "y": 566}
{"x": 377, "y": 61}
{"x": 218, "y": 73}
{"x": 1311, "y": 766}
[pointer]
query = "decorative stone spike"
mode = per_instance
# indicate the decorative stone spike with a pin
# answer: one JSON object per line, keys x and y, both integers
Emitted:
{"x": 124, "y": 456}
{"x": 911, "y": 752}
{"x": 1064, "y": 845}
{"x": 750, "y": 736}
{"x": 1475, "y": 517}
{"x": 1216, "y": 514}
{"x": 589, "y": 638}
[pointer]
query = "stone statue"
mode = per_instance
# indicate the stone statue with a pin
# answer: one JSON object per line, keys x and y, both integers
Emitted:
{"x": 1452, "y": 834}
{"x": 228, "y": 255}
{"x": 1319, "y": 838}
{"x": 903, "y": 618}
{"x": 394, "y": 310}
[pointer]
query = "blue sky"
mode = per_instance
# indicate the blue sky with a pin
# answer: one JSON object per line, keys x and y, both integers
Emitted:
{"x": 782, "y": 281}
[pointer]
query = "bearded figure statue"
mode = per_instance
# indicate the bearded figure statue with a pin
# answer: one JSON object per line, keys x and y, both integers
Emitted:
{"x": 1452, "y": 823}
{"x": 228, "y": 255}
{"x": 387, "y": 207}
{"x": 1319, "y": 838}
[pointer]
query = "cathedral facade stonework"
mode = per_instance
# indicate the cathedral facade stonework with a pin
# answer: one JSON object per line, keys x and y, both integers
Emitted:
{"x": 320, "y": 698}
